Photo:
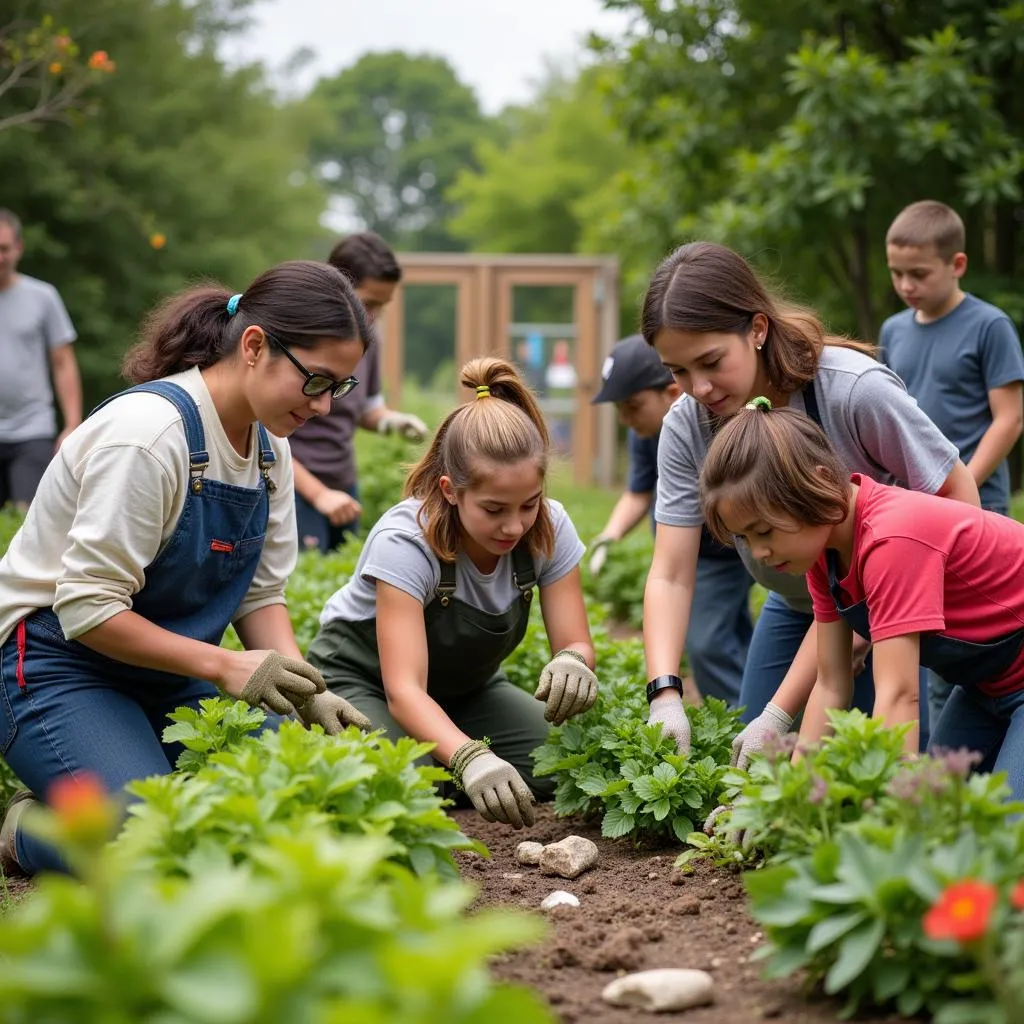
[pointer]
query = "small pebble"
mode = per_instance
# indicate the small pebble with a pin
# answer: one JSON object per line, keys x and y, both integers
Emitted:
{"x": 559, "y": 898}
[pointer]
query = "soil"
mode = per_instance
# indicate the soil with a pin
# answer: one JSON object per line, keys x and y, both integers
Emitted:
{"x": 636, "y": 912}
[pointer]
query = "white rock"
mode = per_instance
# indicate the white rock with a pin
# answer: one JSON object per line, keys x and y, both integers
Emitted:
{"x": 568, "y": 858}
{"x": 529, "y": 853}
{"x": 661, "y": 990}
{"x": 559, "y": 898}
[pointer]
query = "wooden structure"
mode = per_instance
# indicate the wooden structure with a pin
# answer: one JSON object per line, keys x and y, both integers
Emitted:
{"x": 484, "y": 326}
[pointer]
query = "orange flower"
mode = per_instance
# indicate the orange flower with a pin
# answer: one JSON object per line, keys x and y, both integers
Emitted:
{"x": 1017, "y": 895}
{"x": 56, "y": 68}
{"x": 962, "y": 912}
{"x": 157, "y": 240}
{"x": 100, "y": 61}
{"x": 62, "y": 43}
{"x": 82, "y": 807}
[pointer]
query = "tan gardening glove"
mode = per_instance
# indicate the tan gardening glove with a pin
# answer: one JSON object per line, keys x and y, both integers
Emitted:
{"x": 332, "y": 712}
{"x": 283, "y": 684}
{"x": 412, "y": 428}
{"x": 772, "y": 723}
{"x": 667, "y": 708}
{"x": 567, "y": 685}
{"x": 495, "y": 787}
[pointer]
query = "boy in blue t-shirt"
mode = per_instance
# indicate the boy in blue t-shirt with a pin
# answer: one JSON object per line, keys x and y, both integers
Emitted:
{"x": 720, "y": 624}
{"x": 959, "y": 357}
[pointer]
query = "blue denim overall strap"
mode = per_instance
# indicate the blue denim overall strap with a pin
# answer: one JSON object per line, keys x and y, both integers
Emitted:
{"x": 960, "y": 661}
{"x": 199, "y": 579}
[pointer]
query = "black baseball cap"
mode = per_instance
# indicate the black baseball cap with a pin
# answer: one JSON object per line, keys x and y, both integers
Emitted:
{"x": 632, "y": 366}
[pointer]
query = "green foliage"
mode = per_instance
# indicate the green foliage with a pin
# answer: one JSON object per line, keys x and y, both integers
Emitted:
{"x": 309, "y": 928}
{"x": 620, "y": 583}
{"x": 610, "y": 761}
{"x": 383, "y": 467}
{"x": 234, "y": 799}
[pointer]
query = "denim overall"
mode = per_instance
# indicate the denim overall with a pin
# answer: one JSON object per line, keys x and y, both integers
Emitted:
{"x": 465, "y": 649}
{"x": 971, "y": 718}
{"x": 67, "y": 709}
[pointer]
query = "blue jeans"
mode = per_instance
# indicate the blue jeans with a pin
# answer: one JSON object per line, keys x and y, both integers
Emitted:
{"x": 777, "y": 637}
{"x": 317, "y": 531}
{"x": 72, "y": 717}
{"x": 993, "y": 726}
{"x": 720, "y": 627}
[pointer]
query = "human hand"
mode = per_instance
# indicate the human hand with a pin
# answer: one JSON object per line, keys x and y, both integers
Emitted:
{"x": 412, "y": 428}
{"x": 667, "y": 708}
{"x": 282, "y": 684}
{"x": 332, "y": 712}
{"x": 337, "y": 507}
{"x": 599, "y": 553}
{"x": 567, "y": 685}
{"x": 773, "y": 721}
{"x": 495, "y": 787}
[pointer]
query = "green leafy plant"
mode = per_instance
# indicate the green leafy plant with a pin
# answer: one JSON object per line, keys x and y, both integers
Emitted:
{"x": 609, "y": 761}
{"x": 620, "y": 584}
{"x": 280, "y": 783}
{"x": 310, "y": 928}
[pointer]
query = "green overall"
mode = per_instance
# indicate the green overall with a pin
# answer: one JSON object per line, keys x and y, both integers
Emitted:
{"x": 465, "y": 649}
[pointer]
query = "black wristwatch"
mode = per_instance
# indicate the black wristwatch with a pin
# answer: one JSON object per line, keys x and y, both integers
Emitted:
{"x": 656, "y": 685}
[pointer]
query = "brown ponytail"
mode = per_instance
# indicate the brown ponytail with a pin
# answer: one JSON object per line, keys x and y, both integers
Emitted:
{"x": 300, "y": 301}
{"x": 703, "y": 288}
{"x": 504, "y": 427}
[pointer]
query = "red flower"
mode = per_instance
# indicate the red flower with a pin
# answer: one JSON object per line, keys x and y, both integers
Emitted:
{"x": 81, "y": 805}
{"x": 962, "y": 912}
{"x": 1017, "y": 895}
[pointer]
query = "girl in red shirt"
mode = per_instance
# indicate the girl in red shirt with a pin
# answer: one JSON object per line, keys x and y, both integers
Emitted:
{"x": 927, "y": 581}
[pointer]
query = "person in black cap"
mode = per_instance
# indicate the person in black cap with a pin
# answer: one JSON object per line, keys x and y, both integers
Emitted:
{"x": 716, "y": 645}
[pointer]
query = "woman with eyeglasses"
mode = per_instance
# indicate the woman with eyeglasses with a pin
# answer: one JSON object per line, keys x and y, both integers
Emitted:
{"x": 168, "y": 514}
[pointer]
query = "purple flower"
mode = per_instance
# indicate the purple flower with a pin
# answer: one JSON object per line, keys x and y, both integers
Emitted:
{"x": 959, "y": 761}
{"x": 819, "y": 790}
{"x": 778, "y": 747}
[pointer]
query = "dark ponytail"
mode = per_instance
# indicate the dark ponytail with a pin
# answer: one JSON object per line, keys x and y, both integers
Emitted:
{"x": 501, "y": 425}
{"x": 300, "y": 301}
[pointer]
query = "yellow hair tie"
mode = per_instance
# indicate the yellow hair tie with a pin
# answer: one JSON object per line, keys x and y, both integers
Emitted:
{"x": 483, "y": 391}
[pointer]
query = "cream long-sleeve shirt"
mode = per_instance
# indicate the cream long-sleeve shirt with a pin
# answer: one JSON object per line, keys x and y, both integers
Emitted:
{"x": 110, "y": 501}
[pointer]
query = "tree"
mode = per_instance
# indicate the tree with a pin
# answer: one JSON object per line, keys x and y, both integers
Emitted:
{"x": 186, "y": 170}
{"x": 400, "y": 129}
{"x": 805, "y": 127}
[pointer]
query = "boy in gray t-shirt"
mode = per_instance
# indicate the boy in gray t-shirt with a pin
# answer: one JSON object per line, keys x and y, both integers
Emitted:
{"x": 959, "y": 357}
{"x": 35, "y": 341}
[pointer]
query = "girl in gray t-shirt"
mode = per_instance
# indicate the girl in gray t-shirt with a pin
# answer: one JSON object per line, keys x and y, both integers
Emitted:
{"x": 727, "y": 340}
{"x": 441, "y": 596}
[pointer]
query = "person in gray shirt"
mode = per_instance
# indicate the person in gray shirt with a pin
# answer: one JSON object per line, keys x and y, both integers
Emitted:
{"x": 36, "y": 338}
{"x": 727, "y": 340}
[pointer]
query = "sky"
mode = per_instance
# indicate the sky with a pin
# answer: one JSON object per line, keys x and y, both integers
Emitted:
{"x": 499, "y": 47}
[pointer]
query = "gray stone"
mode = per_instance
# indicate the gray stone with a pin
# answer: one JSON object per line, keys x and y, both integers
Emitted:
{"x": 662, "y": 990}
{"x": 529, "y": 853}
{"x": 568, "y": 858}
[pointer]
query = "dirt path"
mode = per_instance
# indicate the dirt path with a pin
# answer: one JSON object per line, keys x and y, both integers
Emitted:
{"x": 636, "y": 912}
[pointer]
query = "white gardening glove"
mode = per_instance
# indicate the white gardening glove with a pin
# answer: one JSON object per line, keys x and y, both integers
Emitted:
{"x": 412, "y": 428}
{"x": 773, "y": 721}
{"x": 667, "y": 708}
{"x": 567, "y": 685}
{"x": 495, "y": 787}
{"x": 599, "y": 553}
{"x": 332, "y": 712}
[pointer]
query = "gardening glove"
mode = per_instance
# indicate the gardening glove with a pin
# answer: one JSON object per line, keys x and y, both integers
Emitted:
{"x": 568, "y": 686}
{"x": 412, "y": 428}
{"x": 742, "y": 839}
{"x": 334, "y": 713}
{"x": 281, "y": 683}
{"x": 495, "y": 787}
{"x": 599, "y": 553}
{"x": 668, "y": 709}
{"x": 773, "y": 721}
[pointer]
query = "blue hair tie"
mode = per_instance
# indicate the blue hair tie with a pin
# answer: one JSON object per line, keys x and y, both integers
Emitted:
{"x": 233, "y": 304}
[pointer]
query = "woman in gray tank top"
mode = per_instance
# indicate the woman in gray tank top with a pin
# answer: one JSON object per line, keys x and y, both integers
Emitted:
{"x": 727, "y": 340}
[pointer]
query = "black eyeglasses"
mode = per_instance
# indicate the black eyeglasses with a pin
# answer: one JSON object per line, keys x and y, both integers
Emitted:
{"x": 316, "y": 384}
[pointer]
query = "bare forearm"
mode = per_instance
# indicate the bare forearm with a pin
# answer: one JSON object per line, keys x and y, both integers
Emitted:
{"x": 134, "y": 640}
{"x": 421, "y": 717}
{"x": 960, "y": 486}
{"x": 629, "y": 510}
{"x": 68, "y": 386}
{"x": 666, "y": 617}
{"x": 796, "y": 687}
{"x": 996, "y": 443}
{"x": 307, "y": 486}
{"x": 268, "y": 628}
{"x": 372, "y": 417}
{"x": 897, "y": 708}
{"x": 815, "y": 724}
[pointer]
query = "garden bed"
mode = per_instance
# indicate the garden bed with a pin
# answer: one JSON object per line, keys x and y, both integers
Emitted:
{"x": 636, "y": 912}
